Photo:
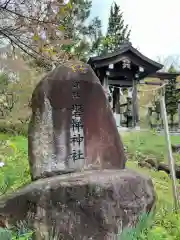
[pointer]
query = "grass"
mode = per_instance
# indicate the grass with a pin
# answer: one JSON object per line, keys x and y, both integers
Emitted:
{"x": 165, "y": 224}
{"x": 149, "y": 144}
{"x": 144, "y": 145}
{"x": 15, "y": 172}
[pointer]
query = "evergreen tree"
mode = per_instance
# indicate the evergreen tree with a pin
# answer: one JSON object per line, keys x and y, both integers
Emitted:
{"x": 117, "y": 31}
{"x": 85, "y": 36}
{"x": 95, "y": 36}
{"x": 172, "y": 69}
{"x": 171, "y": 96}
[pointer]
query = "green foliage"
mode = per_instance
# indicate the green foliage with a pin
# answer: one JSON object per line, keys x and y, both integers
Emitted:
{"x": 22, "y": 232}
{"x": 7, "y": 99}
{"x": 85, "y": 37}
{"x": 13, "y": 150}
{"x": 102, "y": 44}
{"x": 19, "y": 234}
{"x": 95, "y": 36}
{"x": 139, "y": 231}
{"x": 16, "y": 119}
{"x": 148, "y": 144}
{"x": 117, "y": 31}
{"x": 172, "y": 69}
{"x": 171, "y": 96}
{"x": 13, "y": 128}
{"x": 5, "y": 234}
{"x": 4, "y": 81}
{"x": 164, "y": 225}
{"x": 12, "y": 176}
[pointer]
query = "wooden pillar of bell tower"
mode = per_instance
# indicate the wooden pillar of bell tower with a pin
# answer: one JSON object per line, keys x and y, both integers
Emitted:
{"x": 135, "y": 112}
{"x": 116, "y": 98}
{"x": 116, "y": 104}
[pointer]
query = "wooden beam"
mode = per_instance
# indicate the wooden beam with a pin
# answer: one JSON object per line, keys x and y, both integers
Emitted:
{"x": 121, "y": 86}
{"x": 120, "y": 82}
{"x": 164, "y": 75}
{"x": 120, "y": 73}
{"x": 154, "y": 83}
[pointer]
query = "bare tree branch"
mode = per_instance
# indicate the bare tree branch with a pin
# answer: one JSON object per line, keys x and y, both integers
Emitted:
{"x": 32, "y": 26}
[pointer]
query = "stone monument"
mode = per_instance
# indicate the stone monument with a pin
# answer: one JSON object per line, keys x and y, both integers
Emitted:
{"x": 72, "y": 127}
{"x": 73, "y": 131}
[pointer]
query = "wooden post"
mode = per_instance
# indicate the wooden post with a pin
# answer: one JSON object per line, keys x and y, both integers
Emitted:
{"x": 114, "y": 96}
{"x": 117, "y": 101}
{"x": 129, "y": 112}
{"x": 105, "y": 83}
{"x": 168, "y": 142}
{"x": 179, "y": 113}
{"x": 119, "y": 109}
{"x": 150, "y": 117}
{"x": 135, "y": 115}
{"x": 117, "y": 106}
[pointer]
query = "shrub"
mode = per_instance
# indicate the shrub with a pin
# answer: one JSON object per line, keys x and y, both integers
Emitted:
{"x": 18, "y": 234}
{"x": 17, "y": 128}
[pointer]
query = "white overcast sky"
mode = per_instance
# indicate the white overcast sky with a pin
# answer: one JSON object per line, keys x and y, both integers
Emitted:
{"x": 155, "y": 24}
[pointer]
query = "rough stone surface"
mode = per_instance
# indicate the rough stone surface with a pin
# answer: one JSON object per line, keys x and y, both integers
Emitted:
{"x": 176, "y": 148}
{"x": 93, "y": 205}
{"x": 49, "y": 129}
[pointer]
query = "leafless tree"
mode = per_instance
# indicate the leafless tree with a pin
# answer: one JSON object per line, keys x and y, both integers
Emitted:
{"x": 171, "y": 60}
{"x": 34, "y": 26}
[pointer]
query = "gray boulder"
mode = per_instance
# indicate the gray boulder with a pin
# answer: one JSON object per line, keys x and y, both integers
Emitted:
{"x": 88, "y": 205}
{"x": 72, "y": 126}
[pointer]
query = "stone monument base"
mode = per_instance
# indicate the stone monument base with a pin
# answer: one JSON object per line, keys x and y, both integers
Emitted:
{"x": 88, "y": 205}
